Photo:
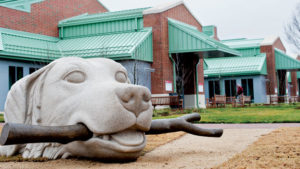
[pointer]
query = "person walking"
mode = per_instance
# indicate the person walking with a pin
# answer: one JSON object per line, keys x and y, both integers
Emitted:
{"x": 239, "y": 94}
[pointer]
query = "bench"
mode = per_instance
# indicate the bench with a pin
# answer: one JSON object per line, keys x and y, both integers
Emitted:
{"x": 245, "y": 100}
{"x": 293, "y": 99}
{"x": 273, "y": 100}
{"x": 231, "y": 100}
{"x": 219, "y": 100}
{"x": 166, "y": 101}
{"x": 216, "y": 101}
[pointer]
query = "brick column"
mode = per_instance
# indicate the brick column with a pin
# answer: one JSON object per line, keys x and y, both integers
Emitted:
{"x": 200, "y": 69}
{"x": 271, "y": 70}
{"x": 294, "y": 88}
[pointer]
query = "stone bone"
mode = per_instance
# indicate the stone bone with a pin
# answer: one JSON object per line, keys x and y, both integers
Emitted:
{"x": 95, "y": 92}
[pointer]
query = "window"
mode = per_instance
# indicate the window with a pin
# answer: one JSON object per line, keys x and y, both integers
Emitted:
{"x": 247, "y": 85}
{"x": 214, "y": 88}
{"x": 15, "y": 73}
{"x": 230, "y": 88}
{"x": 32, "y": 69}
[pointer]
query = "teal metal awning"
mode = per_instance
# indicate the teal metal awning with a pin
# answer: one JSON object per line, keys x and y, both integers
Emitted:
{"x": 33, "y": 47}
{"x": 131, "y": 45}
{"x": 236, "y": 66}
{"x": 102, "y": 17}
{"x": 247, "y": 47}
{"x": 20, "y": 45}
{"x": 285, "y": 62}
{"x": 186, "y": 38}
{"x": 22, "y": 5}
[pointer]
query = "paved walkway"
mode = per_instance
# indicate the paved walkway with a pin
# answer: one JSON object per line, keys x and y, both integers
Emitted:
{"x": 249, "y": 125}
{"x": 244, "y": 125}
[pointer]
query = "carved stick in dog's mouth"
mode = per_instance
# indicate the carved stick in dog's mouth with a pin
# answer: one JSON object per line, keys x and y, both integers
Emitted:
{"x": 13, "y": 133}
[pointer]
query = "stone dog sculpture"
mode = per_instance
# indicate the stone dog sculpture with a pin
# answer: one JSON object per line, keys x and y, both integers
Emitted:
{"x": 91, "y": 93}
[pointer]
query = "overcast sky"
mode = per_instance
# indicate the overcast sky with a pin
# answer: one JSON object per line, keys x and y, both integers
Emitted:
{"x": 233, "y": 18}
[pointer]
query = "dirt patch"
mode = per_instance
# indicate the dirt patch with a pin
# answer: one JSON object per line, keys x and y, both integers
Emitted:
{"x": 153, "y": 141}
{"x": 187, "y": 152}
{"x": 279, "y": 149}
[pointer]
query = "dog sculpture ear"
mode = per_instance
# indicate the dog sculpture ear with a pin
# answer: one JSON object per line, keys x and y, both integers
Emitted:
{"x": 24, "y": 97}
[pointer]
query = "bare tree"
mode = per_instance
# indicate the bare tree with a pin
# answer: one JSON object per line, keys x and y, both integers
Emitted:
{"x": 292, "y": 29}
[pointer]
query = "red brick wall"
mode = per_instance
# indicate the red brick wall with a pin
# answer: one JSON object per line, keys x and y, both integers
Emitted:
{"x": 201, "y": 72}
{"x": 216, "y": 34}
{"x": 279, "y": 45}
{"x": 270, "y": 87}
{"x": 294, "y": 88}
{"x": 161, "y": 62}
{"x": 271, "y": 69}
{"x": 45, "y": 15}
{"x": 294, "y": 79}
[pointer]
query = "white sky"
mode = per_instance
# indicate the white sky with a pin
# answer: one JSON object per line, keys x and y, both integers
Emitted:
{"x": 233, "y": 18}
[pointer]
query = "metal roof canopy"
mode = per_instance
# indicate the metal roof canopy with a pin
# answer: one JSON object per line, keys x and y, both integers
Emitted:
{"x": 130, "y": 45}
{"x": 102, "y": 17}
{"x": 21, "y": 5}
{"x": 285, "y": 62}
{"x": 247, "y": 47}
{"x": 243, "y": 43}
{"x": 185, "y": 38}
{"x": 236, "y": 66}
{"x": 18, "y": 45}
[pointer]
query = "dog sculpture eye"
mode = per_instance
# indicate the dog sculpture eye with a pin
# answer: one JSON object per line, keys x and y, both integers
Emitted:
{"x": 121, "y": 77}
{"x": 75, "y": 77}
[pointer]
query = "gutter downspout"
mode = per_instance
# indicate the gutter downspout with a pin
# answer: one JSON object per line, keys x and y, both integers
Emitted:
{"x": 174, "y": 73}
{"x": 197, "y": 90}
{"x": 62, "y": 32}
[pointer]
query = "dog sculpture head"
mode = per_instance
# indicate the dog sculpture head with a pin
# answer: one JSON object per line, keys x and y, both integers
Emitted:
{"x": 95, "y": 92}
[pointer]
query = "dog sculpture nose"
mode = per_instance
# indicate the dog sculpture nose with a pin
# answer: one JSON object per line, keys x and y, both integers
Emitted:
{"x": 134, "y": 98}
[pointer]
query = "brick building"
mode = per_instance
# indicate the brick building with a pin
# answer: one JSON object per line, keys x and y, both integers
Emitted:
{"x": 162, "y": 47}
{"x": 262, "y": 70}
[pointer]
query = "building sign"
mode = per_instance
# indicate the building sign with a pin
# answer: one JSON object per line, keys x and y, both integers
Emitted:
{"x": 200, "y": 87}
{"x": 169, "y": 86}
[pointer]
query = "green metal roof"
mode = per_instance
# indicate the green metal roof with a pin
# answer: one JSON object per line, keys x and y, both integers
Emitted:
{"x": 33, "y": 47}
{"x": 236, "y": 66}
{"x": 186, "y": 38}
{"x": 102, "y": 17}
{"x": 247, "y": 47}
{"x": 5, "y": 1}
{"x": 243, "y": 43}
{"x": 114, "y": 46}
{"x": 285, "y": 62}
{"x": 102, "y": 23}
{"x": 21, "y": 5}
{"x": 209, "y": 30}
{"x": 28, "y": 46}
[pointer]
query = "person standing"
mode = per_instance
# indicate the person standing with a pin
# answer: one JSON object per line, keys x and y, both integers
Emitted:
{"x": 239, "y": 93}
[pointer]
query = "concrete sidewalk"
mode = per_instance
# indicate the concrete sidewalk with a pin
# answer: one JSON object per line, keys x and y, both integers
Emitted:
{"x": 249, "y": 125}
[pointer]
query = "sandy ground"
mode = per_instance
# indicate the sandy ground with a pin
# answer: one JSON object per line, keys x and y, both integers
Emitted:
{"x": 186, "y": 152}
{"x": 278, "y": 149}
